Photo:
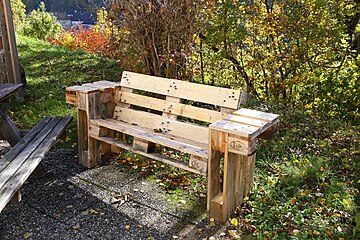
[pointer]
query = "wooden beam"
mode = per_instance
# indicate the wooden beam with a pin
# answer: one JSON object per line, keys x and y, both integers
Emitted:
{"x": 8, "y": 129}
{"x": 12, "y": 42}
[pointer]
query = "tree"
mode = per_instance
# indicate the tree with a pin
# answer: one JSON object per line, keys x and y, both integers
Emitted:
{"x": 276, "y": 47}
{"x": 41, "y": 24}
{"x": 160, "y": 32}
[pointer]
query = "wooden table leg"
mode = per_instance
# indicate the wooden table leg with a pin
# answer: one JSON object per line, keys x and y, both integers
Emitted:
{"x": 8, "y": 130}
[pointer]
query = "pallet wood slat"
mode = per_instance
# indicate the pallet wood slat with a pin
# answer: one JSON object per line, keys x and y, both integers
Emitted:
{"x": 17, "y": 165}
{"x": 202, "y": 114}
{"x": 176, "y": 88}
{"x": 161, "y": 124}
{"x": 22, "y": 143}
{"x": 12, "y": 167}
{"x": 155, "y": 156}
{"x": 7, "y": 89}
{"x": 177, "y": 143}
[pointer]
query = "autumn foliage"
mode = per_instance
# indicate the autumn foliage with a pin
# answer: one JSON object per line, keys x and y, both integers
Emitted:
{"x": 277, "y": 50}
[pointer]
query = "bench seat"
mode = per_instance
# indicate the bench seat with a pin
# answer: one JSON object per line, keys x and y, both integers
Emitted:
{"x": 17, "y": 164}
{"x": 181, "y": 144}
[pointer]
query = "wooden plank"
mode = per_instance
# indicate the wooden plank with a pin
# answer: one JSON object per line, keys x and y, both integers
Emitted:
{"x": 82, "y": 123}
{"x": 177, "y": 143}
{"x": 166, "y": 126}
{"x": 108, "y": 84}
{"x": 239, "y": 179}
{"x": 170, "y": 114}
{"x": 12, "y": 41}
{"x": 97, "y": 86}
{"x": 217, "y": 207}
{"x": 7, "y": 89}
{"x": 198, "y": 163}
{"x": 185, "y": 90}
{"x": 124, "y": 103}
{"x": 240, "y": 146}
{"x": 8, "y": 130}
{"x": 247, "y": 121}
{"x": 229, "y": 184}
{"x": 202, "y": 114}
{"x": 13, "y": 166}
{"x": 155, "y": 156}
{"x": 9, "y": 156}
{"x": 24, "y": 171}
{"x": 245, "y": 131}
{"x": 82, "y": 89}
{"x": 6, "y": 46}
{"x": 126, "y": 129}
{"x": 215, "y": 146}
{"x": 267, "y": 117}
{"x": 71, "y": 98}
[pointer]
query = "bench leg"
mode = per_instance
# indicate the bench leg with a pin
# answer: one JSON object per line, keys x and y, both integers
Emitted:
{"x": 16, "y": 198}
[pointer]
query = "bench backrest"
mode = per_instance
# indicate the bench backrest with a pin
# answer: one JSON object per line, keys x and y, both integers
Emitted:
{"x": 174, "y": 107}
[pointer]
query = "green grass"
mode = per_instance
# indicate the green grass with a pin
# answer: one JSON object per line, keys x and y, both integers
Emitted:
{"x": 306, "y": 179}
{"x": 49, "y": 70}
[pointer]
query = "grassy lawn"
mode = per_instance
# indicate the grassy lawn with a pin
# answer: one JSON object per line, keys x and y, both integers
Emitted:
{"x": 306, "y": 179}
{"x": 49, "y": 70}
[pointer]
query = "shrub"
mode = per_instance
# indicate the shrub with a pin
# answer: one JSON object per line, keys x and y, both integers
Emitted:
{"x": 18, "y": 8}
{"x": 41, "y": 24}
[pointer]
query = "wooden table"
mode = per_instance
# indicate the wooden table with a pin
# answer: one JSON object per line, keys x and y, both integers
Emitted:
{"x": 8, "y": 130}
{"x": 234, "y": 138}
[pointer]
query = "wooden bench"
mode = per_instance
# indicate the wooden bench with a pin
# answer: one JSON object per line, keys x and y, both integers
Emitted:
{"x": 18, "y": 163}
{"x": 156, "y": 111}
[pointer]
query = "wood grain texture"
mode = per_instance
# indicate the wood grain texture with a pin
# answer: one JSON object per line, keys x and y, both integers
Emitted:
{"x": 161, "y": 124}
{"x": 26, "y": 156}
{"x": 7, "y": 89}
{"x": 155, "y": 156}
{"x": 178, "y": 143}
{"x": 171, "y": 107}
{"x": 218, "y": 96}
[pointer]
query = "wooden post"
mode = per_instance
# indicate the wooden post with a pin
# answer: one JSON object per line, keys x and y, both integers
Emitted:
{"x": 89, "y": 148}
{"x": 9, "y": 131}
{"x": 9, "y": 46}
{"x": 239, "y": 159}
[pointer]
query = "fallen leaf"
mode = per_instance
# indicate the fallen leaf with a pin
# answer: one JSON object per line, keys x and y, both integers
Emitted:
{"x": 127, "y": 227}
{"x": 84, "y": 213}
{"x": 212, "y": 222}
{"x": 27, "y": 235}
{"x": 76, "y": 227}
{"x": 234, "y": 222}
{"x": 182, "y": 201}
{"x": 232, "y": 233}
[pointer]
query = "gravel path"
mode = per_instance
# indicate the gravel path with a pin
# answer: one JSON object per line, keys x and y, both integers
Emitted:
{"x": 71, "y": 202}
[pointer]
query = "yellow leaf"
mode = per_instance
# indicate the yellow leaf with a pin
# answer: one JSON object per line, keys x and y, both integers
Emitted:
{"x": 27, "y": 235}
{"x": 234, "y": 222}
{"x": 232, "y": 233}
